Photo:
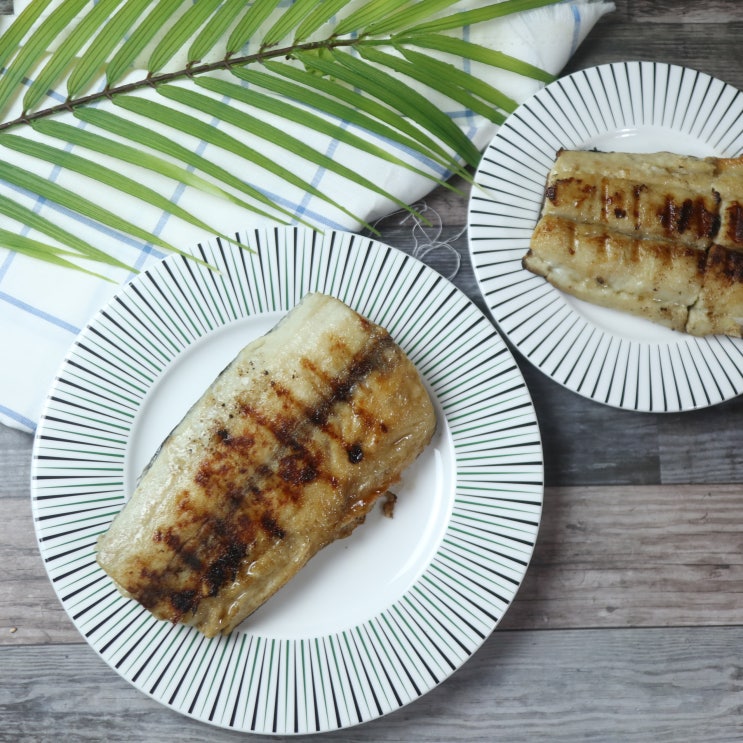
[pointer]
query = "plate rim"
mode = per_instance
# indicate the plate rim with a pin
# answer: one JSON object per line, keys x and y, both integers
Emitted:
{"x": 652, "y": 353}
{"x": 533, "y": 487}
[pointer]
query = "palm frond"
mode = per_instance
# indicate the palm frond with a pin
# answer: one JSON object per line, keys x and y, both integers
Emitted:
{"x": 247, "y": 81}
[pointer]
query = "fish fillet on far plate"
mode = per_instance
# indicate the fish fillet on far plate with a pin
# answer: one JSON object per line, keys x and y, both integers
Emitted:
{"x": 285, "y": 452}
{"x": 649, "y": 278}
{"x": 658, "y": 235}
{"x": 660, "y": 196}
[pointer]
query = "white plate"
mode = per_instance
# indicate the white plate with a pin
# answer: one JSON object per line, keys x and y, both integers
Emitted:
{"x": 602, "y": 354}
{"x": 375, "y": 620}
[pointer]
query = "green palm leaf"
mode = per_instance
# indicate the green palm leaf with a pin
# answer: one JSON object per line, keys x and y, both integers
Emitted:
{"x": 71, "y": 200}
{"x": 363, "y": 111}
{"x": 367, "y": 14}
{"x": 103, "y": 44}
{"x": 477, "y": 15}
{"x": 214, "y": 29}
{"x": 102, "y": 174}
{"x": 189, "y": 124}
{"x": 250, "y": 23}
{"x": 184, "y": 28}
{"x": 19, "y": 28}
{"x": 65, "y": 55}
{"x": 406, "y": 16}
{"x": 144, "y": 32}
{"x": 149, "y": 140}
{"x": 341, "y": 71}
{"x": 475, "y": 52}
{"x": 76, "y": 246}
{"x": 281, "y": 107}
{"x": 390, "y": 89}
{"x": 27, "y": 57}
{"x": 270, "y": 133}
{"x": 476, "y": 95}
{"x": 41, "y": 251}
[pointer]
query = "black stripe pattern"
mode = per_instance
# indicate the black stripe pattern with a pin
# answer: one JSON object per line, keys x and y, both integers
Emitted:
{"x": 604, "y": 355}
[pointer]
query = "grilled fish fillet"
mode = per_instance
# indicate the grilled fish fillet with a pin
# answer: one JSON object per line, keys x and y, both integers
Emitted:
{"x": 649, "y": 278}
{"x": 287, "y": 451}
{"x": 659, "y": 235}
{"x": 694, "y": 291}
{"x": 719, "y": 307}
{"x": 729, "y": 184}
{"x": 659, "y": 195}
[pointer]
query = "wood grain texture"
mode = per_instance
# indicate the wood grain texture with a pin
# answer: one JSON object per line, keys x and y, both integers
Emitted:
{"x": 713, "y": 49}
{"x": 589, "y": 685}
{"x": 649, "y": 556}
{"x": 691, "y": 11}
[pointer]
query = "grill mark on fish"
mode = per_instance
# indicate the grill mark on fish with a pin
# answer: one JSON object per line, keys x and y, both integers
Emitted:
{"x": 213, "y": 556}
{"x": 690, "y": 216}
{"x": 734, "y": 231}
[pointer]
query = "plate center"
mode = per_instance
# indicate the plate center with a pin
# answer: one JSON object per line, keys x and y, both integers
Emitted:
{"x": 352, "y": 579}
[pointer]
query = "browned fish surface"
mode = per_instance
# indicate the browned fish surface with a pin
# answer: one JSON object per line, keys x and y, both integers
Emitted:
{"x": 658, "y": 235}
{"x": 719, "y": 308}
{"x": 649, "y": 278}
{"x": 729, "y": 184}
{"x": 659, "y": 196}
{"x": 287, "y": 451}
{"x": 694, "y": 291}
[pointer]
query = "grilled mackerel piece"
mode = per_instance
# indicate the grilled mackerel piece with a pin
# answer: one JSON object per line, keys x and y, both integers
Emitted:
{"x": 729, "y": 184}
{"x": 695, "y": 291}
{"x": 660, "y": 196}
{"x": 287, "y": 451}
{"x": 658, "y": 235}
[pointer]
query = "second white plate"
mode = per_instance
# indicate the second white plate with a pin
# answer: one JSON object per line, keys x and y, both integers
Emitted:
{"x": 602, "y": 354}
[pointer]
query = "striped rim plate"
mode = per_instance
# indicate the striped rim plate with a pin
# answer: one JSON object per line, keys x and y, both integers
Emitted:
{"x": 602, "y": 354}
{"x": 375, "y": 620}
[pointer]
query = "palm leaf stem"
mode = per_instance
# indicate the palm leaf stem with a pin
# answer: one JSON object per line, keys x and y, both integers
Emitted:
{"x": 229, "y": 64}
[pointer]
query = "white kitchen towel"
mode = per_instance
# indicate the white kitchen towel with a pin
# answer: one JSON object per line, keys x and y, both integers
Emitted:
{"x": 43, "y": 308}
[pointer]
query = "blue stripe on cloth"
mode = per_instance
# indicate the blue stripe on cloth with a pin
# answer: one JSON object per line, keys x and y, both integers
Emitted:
{"x": 36, "y": 312}
{"x": 17, "y": 417}
{"x": 319, "y": 173}
{"x": 576, "y": 29}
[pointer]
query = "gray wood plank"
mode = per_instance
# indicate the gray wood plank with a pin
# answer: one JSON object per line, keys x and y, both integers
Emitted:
{"x": 691, "y": 45}
{"x": 591, "y": 685}
{"x": 634, "y": 556}
{"x": 692, "y": 11}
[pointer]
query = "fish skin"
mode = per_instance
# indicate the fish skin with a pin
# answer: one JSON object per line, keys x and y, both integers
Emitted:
{"x": 285, "y": 452}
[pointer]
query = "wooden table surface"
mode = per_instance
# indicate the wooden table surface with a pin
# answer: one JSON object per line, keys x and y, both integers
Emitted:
{"x": 629, "y": 623}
